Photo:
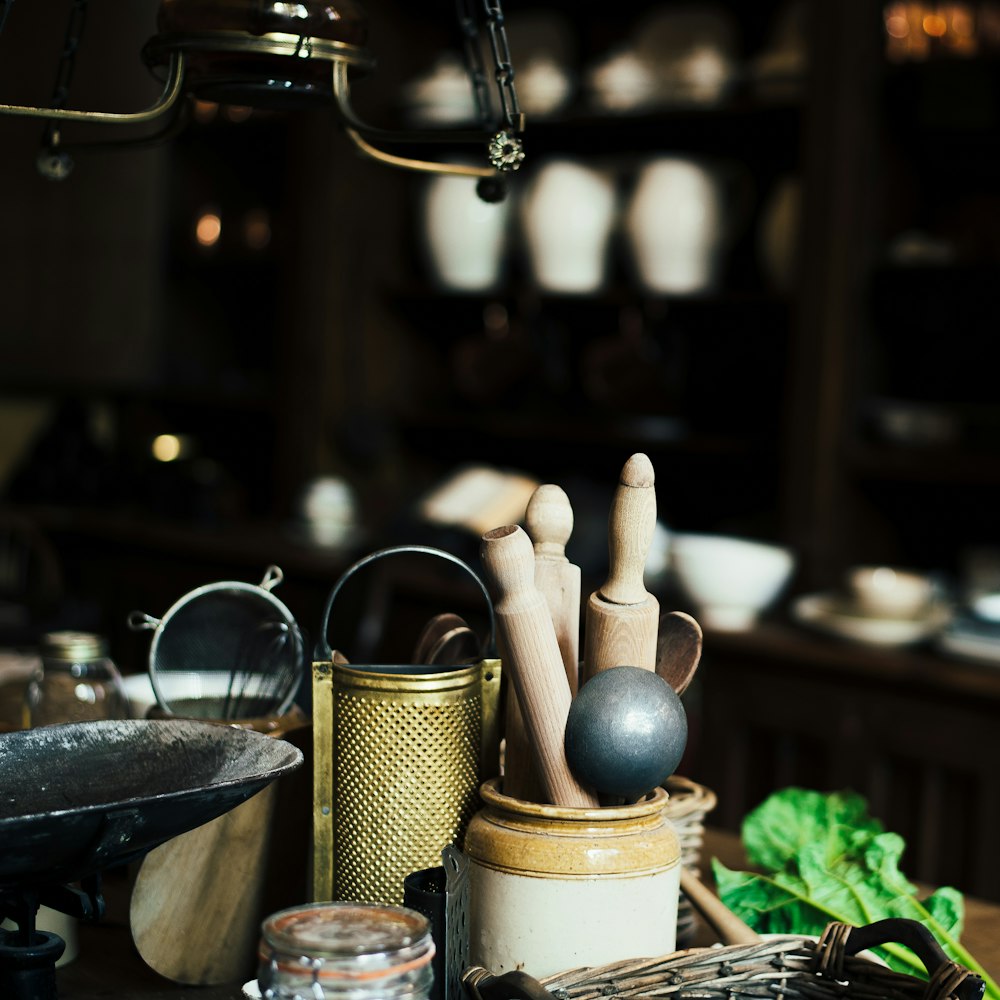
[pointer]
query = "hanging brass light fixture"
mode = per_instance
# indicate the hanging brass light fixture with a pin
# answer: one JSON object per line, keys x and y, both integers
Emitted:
{"x": 288, "y": 56}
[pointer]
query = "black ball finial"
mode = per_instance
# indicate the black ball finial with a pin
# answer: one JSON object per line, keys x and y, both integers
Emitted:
{"x": 492, "y": 189}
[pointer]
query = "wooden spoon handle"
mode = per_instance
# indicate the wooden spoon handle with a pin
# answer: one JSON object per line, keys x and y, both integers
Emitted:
{"x": 534, "y": 661}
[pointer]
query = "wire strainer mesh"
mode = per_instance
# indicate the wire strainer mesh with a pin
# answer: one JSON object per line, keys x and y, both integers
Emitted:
{"x": 227, "y": 650}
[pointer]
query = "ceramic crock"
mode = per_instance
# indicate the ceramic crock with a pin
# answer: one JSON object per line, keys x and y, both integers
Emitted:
{"x": 554, "y": 888}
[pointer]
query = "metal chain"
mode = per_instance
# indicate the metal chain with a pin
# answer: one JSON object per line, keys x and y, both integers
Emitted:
{"x": 67, "y": 58}
{"x": 52, "y": 162}
{"x": 505, "y": 149}
{"x": 502, "y": 64}
{"x": 474, "y": 61}
{"x": 5, "y": 6}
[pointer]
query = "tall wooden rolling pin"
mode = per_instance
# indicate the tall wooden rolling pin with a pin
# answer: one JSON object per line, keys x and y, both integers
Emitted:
{"x": 520, "y": 773}
{"x": 549, "y": 520}
{"x": 622, "y": 617}
{"x": 534, "y": 662}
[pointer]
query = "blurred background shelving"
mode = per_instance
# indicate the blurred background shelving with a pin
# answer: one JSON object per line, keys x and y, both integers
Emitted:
{"x": 262, "y": 296}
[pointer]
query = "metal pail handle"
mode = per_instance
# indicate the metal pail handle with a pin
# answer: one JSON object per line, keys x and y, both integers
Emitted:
{"x": 324, "y": 651}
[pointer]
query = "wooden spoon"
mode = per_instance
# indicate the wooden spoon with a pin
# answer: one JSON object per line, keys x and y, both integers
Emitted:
{"x": 730, "y": 928}
{"x": 678, "y": 649}
{"x": 446, "y": 640}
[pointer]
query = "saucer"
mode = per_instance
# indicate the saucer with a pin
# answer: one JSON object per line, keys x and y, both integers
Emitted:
{"x": 838, "y": 616}
{"x": 970, "y": 638}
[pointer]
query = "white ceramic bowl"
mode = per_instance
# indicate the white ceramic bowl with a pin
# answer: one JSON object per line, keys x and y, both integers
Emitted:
{"x": 731, "y": 580}
{"x": 177, "y": 686}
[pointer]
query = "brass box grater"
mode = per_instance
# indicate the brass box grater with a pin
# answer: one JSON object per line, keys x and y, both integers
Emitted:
{"x": 399, "y": 755}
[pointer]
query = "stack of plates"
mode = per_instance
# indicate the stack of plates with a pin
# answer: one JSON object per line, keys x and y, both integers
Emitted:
{"x": 838, "y": 615}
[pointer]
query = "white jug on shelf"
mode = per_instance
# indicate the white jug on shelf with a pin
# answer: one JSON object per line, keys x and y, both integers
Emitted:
{"x": 567, "y": 215}
{"x": 675, "y": 225}
{"x": 465, "y": 237}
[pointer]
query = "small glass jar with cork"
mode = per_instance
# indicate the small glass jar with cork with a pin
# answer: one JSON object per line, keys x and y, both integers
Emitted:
{"x": 76, "y": 681}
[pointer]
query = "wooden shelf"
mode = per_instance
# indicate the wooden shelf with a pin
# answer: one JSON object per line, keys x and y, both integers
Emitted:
{"x": 559, "y": 428}
{"x": 931, "y": 465}
{"x": 740, "y": 127}
{"x": 905, "y": 668}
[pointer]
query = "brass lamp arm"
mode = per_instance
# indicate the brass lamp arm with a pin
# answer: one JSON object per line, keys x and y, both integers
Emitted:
{"x": 423, "y": 166}
{"x": 172, "y": 90}
{"x": 360, "y": 133}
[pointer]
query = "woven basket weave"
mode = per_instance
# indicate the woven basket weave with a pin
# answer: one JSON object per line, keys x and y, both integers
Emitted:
{"x": 687, "y": 807}
{"x": 790, "y": 967}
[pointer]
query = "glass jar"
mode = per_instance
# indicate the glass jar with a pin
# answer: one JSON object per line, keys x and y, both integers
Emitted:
{"x": 347, "y": 951}
{"x": 76, "y": 682}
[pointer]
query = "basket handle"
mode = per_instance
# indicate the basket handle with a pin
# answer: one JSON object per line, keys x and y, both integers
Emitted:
{"x": 324, "y": 650}
{"x": 513, "y": 985}
{"x": 947, "y": 978}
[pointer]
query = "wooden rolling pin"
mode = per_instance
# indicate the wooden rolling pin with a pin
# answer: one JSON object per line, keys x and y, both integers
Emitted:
{"x": 549, "y": 520}
{"x": 520, "y": 774}
{"x": 533, "y": 660}
{"x": 622, "y": 617}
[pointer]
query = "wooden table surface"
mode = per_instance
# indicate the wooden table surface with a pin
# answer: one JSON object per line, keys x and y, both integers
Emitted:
{"x": 108, "y": 965}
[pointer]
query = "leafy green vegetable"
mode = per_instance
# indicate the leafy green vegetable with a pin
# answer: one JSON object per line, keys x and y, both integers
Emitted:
{"x": 822, "y": 858}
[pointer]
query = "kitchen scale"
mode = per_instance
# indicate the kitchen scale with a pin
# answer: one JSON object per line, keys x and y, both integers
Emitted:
{"x": 78, "y": 798}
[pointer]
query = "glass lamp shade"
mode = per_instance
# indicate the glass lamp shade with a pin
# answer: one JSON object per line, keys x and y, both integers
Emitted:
{"x": 261, "y": 53}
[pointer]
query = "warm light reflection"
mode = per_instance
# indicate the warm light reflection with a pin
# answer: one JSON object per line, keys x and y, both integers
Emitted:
{"x": 204, "y": 111}
{"x": 961, "y": 22}
{"x": 935, "y": 25}
{"x": 208, "y": 229}
{"x": 918, "y": 31}
{"x": 257, "y": 229}
{"x": 495, "y": 320}
{"x": 166, "y": 447}
{"x": 897, "y": 26}
{"x": 238, "y": 112}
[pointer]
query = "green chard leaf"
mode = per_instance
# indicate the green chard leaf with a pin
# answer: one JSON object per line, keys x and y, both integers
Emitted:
{"x": 793, "y": 818}
{"x": 823, "y": 858}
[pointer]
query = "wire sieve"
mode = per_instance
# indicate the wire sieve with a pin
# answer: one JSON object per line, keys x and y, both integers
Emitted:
{"x": 227, "y": 650}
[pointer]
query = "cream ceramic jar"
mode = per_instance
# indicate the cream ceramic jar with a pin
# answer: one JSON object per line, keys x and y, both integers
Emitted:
{"x": 554, "y": 888}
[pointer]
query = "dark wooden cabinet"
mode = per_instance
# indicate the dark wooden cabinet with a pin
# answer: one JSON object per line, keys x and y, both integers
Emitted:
{"x": 913, "y": 733}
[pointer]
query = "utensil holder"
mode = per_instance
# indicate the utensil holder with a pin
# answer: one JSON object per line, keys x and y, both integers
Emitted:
{"x": 555, "y": 886}
{"x": 400, "y": 753}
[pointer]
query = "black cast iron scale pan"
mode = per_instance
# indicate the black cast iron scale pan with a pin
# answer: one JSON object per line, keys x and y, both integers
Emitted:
{"x": 81, "y": 797}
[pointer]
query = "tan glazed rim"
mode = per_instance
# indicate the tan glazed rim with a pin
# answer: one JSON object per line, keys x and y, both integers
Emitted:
{"x": 651, "y": 804}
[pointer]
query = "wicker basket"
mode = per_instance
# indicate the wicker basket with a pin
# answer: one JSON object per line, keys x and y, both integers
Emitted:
{"x": 687, "y": 808}
{"x": 781, "y": 967}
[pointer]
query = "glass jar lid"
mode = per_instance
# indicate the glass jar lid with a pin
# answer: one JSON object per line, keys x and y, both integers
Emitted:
{"x": 351, "y": 939}
{"x": 73, "y": 646}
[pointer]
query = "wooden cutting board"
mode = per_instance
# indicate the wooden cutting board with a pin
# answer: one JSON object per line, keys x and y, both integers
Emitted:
{"x": 199, "y": 899}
